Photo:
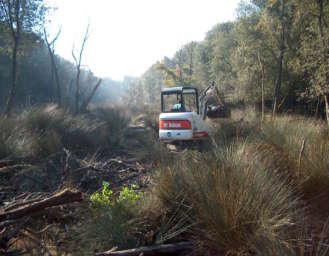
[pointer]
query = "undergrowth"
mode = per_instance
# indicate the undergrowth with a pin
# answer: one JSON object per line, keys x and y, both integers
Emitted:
{"x": 228, "y": 205}
{"x": 112, "y": 219}
{"x": 253, "y": 191}
{"x": 41, "y": 131}
{"x": 247, "y": 194}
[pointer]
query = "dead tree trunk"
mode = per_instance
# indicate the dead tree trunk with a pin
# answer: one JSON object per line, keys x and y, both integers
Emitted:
{"x": 53, "y": 65}
{"x": 282, "y": 48}
{"x": 15, "y": 26}
{"x": 87, "y": 101}
{"x": 78, "y": 66}
{"x": 63, "y": 197}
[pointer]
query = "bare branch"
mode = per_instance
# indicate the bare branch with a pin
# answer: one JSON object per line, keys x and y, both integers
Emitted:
{"x": 18, "y": 25}
{"x": 83, "y": 43}
{"x": 53, "y": 63}
{"x": 10, "y": 17}
{"x": 57, "y": 35}
{"x": 87, "y": 101}
{"x": 78, "y": 64}
{"x": 74, "y": 57}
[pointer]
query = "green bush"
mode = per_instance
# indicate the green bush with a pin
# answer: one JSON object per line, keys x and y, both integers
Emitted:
{"x": 128, "y": 196}
{"x": 113, "y": 217}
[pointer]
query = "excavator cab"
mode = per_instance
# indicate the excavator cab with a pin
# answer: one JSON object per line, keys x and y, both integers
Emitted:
{"x": 179, "y": 99}
{"x": 183, "y": 112}
{"x": 179, "y": 119}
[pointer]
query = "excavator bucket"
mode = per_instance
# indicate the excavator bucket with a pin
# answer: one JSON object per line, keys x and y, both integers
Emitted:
{"x": 218, "y": 112}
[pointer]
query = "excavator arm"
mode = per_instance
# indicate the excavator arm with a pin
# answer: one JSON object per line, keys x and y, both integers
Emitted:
{"x": 211, "y": 104}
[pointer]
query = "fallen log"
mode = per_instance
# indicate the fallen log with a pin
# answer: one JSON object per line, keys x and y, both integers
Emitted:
{"x": 64, "y": 197}
{"x": 5, "y": 163}
{"x": 155, "y": 250}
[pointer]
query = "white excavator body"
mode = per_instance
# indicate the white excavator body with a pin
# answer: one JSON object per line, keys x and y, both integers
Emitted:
{"x": 181, "y": 119}
{"x": 182, "y": 126}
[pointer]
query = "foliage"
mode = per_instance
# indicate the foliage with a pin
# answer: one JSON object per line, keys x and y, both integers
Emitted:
{"x": 106, "y": 199}
{"x": 234, "y": 53}
{"x": 112, "y": 222}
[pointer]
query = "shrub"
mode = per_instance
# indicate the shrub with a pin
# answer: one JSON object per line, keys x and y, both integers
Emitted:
{"x": 75, "y": 132}
{"x": 106, "y": 199}
{"x": 112, "y": 220}
{"x": 15, "y": 139}
{"x": 116, "y": 120}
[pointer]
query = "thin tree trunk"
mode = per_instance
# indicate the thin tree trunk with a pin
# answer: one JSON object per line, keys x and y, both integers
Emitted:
{"x": 15, "y": 32}
{"x": 78, "y": 66}
{"x": 77, "y": 91}
{"x": 317, "y": 108}
{"x": 278, "y": 84}
{"x": 12, "y": 92}
{"x": 58, "y": 87}
{"x": 87, "y": 101}
{"x": 261, "y": 63}
{"x": 53, "y": 65}
{"x": 320, "y": 23}
{"x": 327, "y": 108}
{"x": 320, "y": 19}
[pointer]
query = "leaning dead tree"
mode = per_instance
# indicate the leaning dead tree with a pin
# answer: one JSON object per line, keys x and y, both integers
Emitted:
{"x": 78, "y": 61}
{"x": 78, "y": 67}
{"x": 51, "y": 51}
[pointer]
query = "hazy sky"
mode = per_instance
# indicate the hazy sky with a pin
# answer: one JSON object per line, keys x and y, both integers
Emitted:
{"x": 128, "y": 36}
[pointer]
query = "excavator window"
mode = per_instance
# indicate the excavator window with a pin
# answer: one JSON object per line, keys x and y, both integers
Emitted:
{"x": 183, "y": 100}
{"x": 190, "y": 100}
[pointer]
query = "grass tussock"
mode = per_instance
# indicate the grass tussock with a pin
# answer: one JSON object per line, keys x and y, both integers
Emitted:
{"x": 41, "y": 131}
{"x": 229, "y": 205}
{"x": 247, "y": 194}
{"x": 288, "y": 133}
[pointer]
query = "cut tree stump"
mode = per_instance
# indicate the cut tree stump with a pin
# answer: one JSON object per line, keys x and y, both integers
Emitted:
{"x": 155, "y": 250}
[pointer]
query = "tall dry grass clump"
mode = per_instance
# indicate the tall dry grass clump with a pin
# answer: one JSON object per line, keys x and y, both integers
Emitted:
{"x": 44, "y": 130}
{"x": 116, "y": 120}
{"x": 304, "y": 143}
{"x": 228, "y": 205}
